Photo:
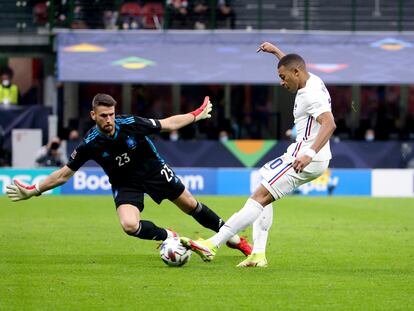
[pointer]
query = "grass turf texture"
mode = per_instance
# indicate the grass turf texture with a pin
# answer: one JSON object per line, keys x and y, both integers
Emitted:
{"x": 69, "y": 253}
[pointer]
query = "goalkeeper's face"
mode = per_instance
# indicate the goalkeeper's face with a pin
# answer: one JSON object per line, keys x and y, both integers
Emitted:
{"x": 104, "y": 118}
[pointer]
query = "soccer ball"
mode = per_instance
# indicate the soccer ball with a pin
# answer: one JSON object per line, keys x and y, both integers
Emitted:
{"x": 173, "y": 253}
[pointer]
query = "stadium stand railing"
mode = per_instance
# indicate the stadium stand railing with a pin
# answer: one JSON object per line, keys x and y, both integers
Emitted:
{"x": 347, "y": 15}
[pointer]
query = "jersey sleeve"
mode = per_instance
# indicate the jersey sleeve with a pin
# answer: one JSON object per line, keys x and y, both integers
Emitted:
{"x": 319, "y": 104}
{"x": 147, "y": 126}
{"x": 78, "y": 157}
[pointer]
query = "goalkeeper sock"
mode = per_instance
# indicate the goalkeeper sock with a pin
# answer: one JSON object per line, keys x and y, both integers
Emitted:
{"x": 147, "y": 230}
{"x": 206, "y": 217}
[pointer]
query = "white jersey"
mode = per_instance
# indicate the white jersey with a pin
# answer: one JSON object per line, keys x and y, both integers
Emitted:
{"x": 310, "y": 102}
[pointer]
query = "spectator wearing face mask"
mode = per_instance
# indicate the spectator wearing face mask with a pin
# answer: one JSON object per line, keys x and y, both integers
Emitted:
{"x": 369, "y": 135}
{"x": 291, "y": 133}
{"x": 9, "y": 93}
{"x": 174, "y": 135}
{"x": 223, "y": 136}
{"x": 74, "y": 136}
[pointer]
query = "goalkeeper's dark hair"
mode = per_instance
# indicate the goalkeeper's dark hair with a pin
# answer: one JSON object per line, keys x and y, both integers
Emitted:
{"x": 103, "y": 100}
{"x": 292, "y": 60}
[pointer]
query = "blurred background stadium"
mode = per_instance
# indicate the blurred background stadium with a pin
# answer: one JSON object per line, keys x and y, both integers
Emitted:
{"x": 158, "y": 58}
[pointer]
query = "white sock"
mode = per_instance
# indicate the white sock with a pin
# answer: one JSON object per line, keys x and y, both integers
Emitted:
{"x": 235, "y": 239}
{"x": 261, "y": 228}
{"x": 239, "y": 221}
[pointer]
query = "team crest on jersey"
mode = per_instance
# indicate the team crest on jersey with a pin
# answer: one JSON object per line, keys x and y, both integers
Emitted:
{"x": 131, "y": 142}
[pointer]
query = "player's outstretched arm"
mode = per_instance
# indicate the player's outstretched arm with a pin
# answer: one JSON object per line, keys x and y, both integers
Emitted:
{"x": 270, "y": 48}
{"x": 20, "y": 191}
{"x": 180, "y": 120}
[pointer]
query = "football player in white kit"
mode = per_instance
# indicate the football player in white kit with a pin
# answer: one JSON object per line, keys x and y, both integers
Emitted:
{"x": 304, "y": 160}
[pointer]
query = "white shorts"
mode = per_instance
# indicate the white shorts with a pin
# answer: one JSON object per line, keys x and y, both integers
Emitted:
{"x": 279, "y": 178}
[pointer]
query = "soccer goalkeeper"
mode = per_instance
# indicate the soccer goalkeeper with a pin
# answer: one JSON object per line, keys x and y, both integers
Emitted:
{"x": 121, "y": 146}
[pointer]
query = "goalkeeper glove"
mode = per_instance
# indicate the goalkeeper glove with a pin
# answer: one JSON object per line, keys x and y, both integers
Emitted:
{"x": 20, "y": 191}
{"x": 203, "y": 112}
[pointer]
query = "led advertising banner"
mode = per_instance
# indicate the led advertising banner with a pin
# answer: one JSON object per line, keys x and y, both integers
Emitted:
{"x": 393, "y": 183}
{"x": 27, "y": 176}
{"x": 230, "y": 57}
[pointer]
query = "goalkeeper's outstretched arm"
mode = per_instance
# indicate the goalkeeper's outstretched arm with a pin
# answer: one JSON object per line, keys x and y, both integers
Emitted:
{"x": 55, "y": 179}
{"x": 180, "y": 120}
{"x": 20, "y": 191}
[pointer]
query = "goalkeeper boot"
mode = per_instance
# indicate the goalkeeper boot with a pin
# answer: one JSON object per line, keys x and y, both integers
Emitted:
{"x": 254, "y": 260}
{"x": 244, "y": 246}
{"x": 204, "y": 248}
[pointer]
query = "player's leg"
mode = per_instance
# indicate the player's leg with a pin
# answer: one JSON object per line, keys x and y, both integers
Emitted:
{"x": 248, "y": 214}
{"x": 199, "y": 211}
{"x": 209, "y": 219}
{"x": 260, "y": 232}
{"x": 279, "y": 186}
{"x": 129, "y": 218}
{"x": 129, "y": 204}
{"x": 167, "y": 185}
{"x": 279, "y": 179}
{"x": 261, "y": 227}
{"x": 237, "y": 222}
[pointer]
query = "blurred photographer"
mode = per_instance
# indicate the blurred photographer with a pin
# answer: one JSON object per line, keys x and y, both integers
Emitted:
{"x": 51, "y": 155}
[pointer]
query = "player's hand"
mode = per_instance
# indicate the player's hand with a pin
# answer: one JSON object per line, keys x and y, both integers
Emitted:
{"x": 266, "y": 47}
{"x": 20, "y": 191}
{"x": 204, "y": 111}
{"x": 301, "y": 162}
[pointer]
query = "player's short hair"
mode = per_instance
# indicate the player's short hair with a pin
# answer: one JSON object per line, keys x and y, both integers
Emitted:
{"x": 290, "y": 60}
{"x": 103, "y": 100}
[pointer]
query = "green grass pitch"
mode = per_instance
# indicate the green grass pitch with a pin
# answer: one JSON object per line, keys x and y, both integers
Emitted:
{"x": 330, "y": 253}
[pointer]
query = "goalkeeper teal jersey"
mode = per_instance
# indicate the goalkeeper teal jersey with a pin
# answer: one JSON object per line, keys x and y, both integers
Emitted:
{"x": 126, "y": 157}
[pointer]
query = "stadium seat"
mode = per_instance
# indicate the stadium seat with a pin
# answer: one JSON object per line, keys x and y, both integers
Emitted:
{"x": 130, "y": 9}
{"x": 130, "y": 16}
{"x": 40, "y": 13}
{"x": 153, "y": 13}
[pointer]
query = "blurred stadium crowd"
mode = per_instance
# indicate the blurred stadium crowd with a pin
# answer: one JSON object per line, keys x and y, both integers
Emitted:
{"x": 115, "y": 14}
{"x": 381, "y": 114}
